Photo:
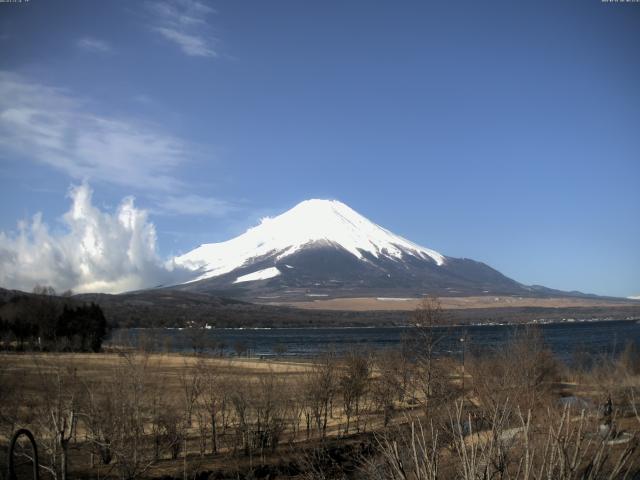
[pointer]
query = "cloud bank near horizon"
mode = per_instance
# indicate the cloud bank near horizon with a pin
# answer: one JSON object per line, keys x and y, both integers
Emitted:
{"x": 99, "y": 251}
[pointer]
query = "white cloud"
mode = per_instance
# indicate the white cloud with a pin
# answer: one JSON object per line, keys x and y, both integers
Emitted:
{"x": 190, "y": 44}
{"x": 90, "y": 44}
{"x": 98, "y": 252}
{"x": 183, "y": 22}
{"x": 48, "y": 125}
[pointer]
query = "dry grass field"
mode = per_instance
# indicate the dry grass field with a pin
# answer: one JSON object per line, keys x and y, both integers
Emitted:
{"x": 131, "y": 414}
{"x": 454, "y": 303}
{"x": 249, "y": 397}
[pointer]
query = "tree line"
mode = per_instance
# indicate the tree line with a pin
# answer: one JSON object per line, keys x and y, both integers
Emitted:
{"x": 48, "y": 322}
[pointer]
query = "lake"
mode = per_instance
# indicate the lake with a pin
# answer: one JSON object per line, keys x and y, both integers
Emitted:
{"x": 565, "y": 339}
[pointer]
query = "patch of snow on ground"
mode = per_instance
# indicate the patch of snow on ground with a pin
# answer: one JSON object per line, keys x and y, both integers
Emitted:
{"x": 259, "y": 275}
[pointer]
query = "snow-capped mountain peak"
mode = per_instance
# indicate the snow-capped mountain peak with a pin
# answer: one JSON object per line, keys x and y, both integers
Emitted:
{"x": 310, "y": 222}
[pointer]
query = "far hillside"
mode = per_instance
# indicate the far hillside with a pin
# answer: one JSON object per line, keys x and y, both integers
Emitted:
{"x": 164, "y": 308}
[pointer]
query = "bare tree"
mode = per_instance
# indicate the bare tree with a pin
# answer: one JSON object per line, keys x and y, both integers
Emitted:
{"x": 353, "y": 383}
{"x": 133, "y": 378}
{"x": 213, "y": 399}
{"x": 56, "y": 415}
{"x": 241, "y": 348}
{"x": 404, "y": 455}
{"x": 522, "y": 372}
{"x": 430, "y": 379}
{"x": 239, "y": 399}
{"x": 386, "y": 385}
{"x": 169, "y": 433}
{"x": 190, "y": 384}
{"x": 563, "y": 447}
{"x": 268, "y": 405}
{"x": 11, "y": 398}
{"x": 320, "y": 388}
{"x": 99, "y": 416}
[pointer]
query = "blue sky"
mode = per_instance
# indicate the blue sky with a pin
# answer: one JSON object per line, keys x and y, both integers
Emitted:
{"x": 502, "y": 131}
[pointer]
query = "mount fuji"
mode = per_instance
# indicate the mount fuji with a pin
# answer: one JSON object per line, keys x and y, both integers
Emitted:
{"x": 325, "y": 249}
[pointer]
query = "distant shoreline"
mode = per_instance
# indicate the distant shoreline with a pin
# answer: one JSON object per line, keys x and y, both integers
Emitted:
{"x": 173, "y": 308}
{"x": 354, "y": 327}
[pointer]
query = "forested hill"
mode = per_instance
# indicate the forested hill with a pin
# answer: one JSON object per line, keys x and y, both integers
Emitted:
{"x": 173, "y": 308}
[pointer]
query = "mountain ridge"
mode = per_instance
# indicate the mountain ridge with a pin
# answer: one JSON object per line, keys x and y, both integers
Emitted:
{"x": 325, "y": 249}
{"x": 311, "y": 221}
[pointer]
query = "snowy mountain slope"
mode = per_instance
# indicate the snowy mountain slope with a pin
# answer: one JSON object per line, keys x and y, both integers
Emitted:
{"x": 323, "y": 248}
{"x": 308, "y": 222}
{"x": 259, "y": 275}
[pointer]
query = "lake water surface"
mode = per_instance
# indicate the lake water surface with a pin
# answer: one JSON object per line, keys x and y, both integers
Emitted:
{"x": 565, "y": 339}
